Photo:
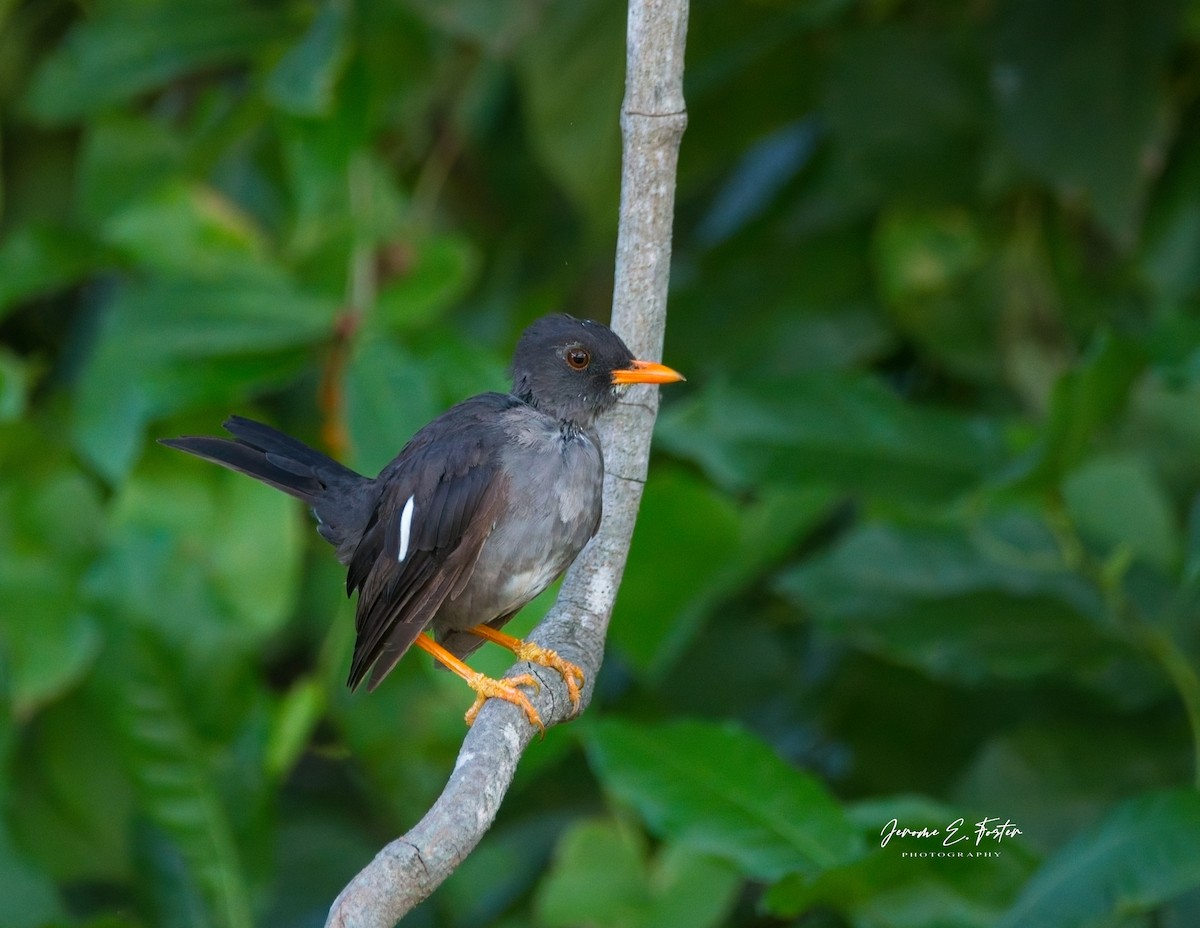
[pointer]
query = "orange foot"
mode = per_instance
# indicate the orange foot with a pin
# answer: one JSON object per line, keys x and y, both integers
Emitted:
{"x": 487, "y": 687}
{"x": 572, "y": 674}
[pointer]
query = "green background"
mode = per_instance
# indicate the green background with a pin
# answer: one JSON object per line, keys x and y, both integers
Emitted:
{"x": 921, "y": 539}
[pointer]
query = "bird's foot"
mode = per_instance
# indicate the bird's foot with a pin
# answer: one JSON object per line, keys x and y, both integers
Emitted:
{"x": 507, "y": 689}
{"x": 572, "y": 674}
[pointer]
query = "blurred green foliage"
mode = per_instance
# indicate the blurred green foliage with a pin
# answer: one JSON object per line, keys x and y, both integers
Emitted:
{"x": 922, "y": 537}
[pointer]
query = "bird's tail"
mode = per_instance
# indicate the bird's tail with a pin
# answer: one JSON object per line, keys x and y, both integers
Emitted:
{"x": 334, "y": 492}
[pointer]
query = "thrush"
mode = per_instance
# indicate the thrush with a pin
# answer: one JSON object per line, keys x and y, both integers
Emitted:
{"x": 481, "y": 511}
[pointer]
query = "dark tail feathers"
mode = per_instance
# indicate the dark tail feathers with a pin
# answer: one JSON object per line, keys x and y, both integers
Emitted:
{"x": 339, "y": 496}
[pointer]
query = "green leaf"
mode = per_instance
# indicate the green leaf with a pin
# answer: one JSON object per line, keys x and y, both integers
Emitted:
{"x": 254, "y": 524}
{"x": 407, "y": 763}
{"x": 317, "y": 157}
{"x": 190, "y": 539}
{"x": 1084, "y": 121}
{"x": 1170, "y": 246}
{"x": 16, "y": 382}
{"x": 998, "y": 601}
{"x": 70, "y": 756}
{"x": 601, "y": 877}
{"x": 313, "y": 853}
{"x": 174, "y": 781}
{"x": 38, "y": 260}
{"x": 51, "y": 530}
{"x": 124, "y": 157}
{"x": 1191, "y": 555}
{"x": 304, "y": 81}
{"x": 129, "y": 49}
{"x": 167, "y": 344}
{"x": 837, "y": 430}
{"x": 1086, "y": 399}
{"x": 382, "y": 369}
{"x": 379, "y": 372}
{"x": 296, "y": 717}
{"x": 571, "y": 81}
{"x": 929, "y": 264}
{"x": 1159, "y": 425}
{"x": 596, "y": 877}
{"x": 30, "y": 897}
{"x": 664, "y": 602}
{"x": 893, "y": 887}
{"x": 1057, "y": 776}
{"x": 507, "y": 864}
{"x": 916, "y": 135}
{"x": 698, "y": 526}
{"x": 492, "y": 24}
{"x": 920, "y": 254}
{"x": 1117, "y": 502}
{"x": 190, "y": 230}
{"x": 434, "y": 272}
{"x": 1143, "y": 854}
{"x": 184, "y": 320}
{"x": 721, "y": 791}
{"x": 886, "y": 889}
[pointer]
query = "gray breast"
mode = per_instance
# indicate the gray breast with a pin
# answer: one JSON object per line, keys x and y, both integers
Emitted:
{"x": 555, "y": 479}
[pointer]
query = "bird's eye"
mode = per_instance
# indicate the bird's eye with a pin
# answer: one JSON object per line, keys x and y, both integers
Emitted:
{"x": 578, "y": 358}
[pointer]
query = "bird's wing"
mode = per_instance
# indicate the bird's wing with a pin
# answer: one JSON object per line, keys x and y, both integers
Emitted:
{"x": 440, "y": 499}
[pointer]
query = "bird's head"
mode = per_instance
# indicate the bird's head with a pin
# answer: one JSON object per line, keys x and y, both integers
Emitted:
{"x": 574, "y": 369}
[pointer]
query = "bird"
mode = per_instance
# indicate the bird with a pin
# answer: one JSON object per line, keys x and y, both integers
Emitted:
{"x": 481, "y": 510}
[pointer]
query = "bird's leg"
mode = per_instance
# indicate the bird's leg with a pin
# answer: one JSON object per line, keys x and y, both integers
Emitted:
{"x": 572, "y": 674}
{"x": 485, "y": 687}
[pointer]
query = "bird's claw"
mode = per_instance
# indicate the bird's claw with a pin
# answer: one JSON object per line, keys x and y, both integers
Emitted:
{"x": 507, "y": 689}
{"x": 572, "y": 674}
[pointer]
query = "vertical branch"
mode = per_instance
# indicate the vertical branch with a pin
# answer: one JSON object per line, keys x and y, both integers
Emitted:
{"x": 409, "y": 868}
{"x": 653, "y": 118}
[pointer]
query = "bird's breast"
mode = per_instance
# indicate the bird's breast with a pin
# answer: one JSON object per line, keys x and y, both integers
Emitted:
{"x": 555, "y": 501}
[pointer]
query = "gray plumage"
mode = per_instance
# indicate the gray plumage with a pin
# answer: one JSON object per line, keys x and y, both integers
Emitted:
{"x": 481, "y": 511}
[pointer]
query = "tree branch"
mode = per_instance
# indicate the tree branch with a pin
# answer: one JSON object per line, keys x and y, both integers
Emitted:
{"x": 409, "y": 868}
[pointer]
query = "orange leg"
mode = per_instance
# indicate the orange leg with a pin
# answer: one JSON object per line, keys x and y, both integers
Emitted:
{"x": 485, "y": 687}
{"x": 528, "y": 651}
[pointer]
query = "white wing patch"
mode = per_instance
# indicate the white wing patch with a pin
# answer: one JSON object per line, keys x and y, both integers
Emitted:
{"x": 405, "y": 529}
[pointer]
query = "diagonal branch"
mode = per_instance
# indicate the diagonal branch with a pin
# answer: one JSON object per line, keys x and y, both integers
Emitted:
{"x": 653, "y": 118}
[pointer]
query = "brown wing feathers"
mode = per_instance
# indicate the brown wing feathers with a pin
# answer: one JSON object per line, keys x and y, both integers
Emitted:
{"x": 453, "y": 514}
{"x": 456, "y": 493}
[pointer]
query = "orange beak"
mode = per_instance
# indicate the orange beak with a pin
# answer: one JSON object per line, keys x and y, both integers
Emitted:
{"x": 646, "y": 372}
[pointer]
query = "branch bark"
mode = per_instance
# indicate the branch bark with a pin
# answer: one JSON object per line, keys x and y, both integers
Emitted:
{"x": 653, "y": 118}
